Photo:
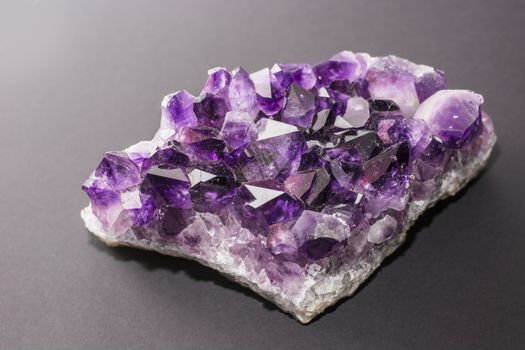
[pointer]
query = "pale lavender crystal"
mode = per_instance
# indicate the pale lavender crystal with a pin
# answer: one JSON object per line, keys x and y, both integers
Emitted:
{"x": 241, "y": 93}
{"x": 178, "y": 109}
{"x": 452, "y": 115}
{"x": 357, "y": 112}
{"x": 408, "y": 84}
{"x": 316, "y": 234}
{"x": 218, "y": 82}
{"x": 238, "y": 130}
{"x": 297, "y": 180}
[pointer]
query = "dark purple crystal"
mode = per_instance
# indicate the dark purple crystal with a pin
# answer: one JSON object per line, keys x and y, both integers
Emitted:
{"x": 212, "y": 186}
{"x": 342, "y": 66}
{"x": 204, "y": 142}
{"x": 210, "y": 110}
{"x": 172, "y": 156}
{"x": 299, "y": 108}
{"x": 172, "y": 221}
{"x": 265, "y": 203}
{"x": 168, "y": 186}
{"x": 276, "y": 152}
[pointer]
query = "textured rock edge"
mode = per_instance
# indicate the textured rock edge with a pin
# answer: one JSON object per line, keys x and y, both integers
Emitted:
{"x": 313, "y": 303}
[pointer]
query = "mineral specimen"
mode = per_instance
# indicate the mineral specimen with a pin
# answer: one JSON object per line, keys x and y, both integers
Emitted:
{"x": 295, "y": 181}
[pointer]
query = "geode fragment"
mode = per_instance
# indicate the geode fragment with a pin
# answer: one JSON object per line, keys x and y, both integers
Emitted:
{"x": 295, "y": 181}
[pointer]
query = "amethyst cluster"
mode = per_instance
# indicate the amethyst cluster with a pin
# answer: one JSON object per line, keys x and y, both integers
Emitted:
{"x": 296, "y": 180}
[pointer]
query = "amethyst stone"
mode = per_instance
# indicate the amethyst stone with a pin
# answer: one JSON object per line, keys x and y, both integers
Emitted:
{"x": 300, "y": 106}
{"x": 212, "y": 186}
{"x": 241, "y": 92}
{"x": 239, "y": 130}
{"x": 177, "y": 110}
{"x": 451, "y": 115}
{"x": 262, "y": 204}
{"x": 276, "y": 151}
{"x": 204, "y": 142}
{"x": 270, "y": 96}
{"x": 118, "y": 171}
{"x": 218, "y": 82}
{"x": 210, "y": 110}
{"x": 296, "y": 181}
{"x": 168, "y": 186}
{"x": 301, "y": 74}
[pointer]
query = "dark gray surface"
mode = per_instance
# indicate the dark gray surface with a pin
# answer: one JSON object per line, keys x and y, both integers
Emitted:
{"x": 78, "y": 78}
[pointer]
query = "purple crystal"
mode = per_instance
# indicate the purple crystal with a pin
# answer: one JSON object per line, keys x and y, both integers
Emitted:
{"x": 172, "y": 156}
{"x": 300, "y": 106}
{"x": 297, "y": 179}
{"x": 173, "y": 220}
{"x": 343, "y": 66}
{"x": 451, "y": 115}
{"x": 276, "y": 152}
{"x": 105, "y": 203}
{"x": 356, "y": 146}
{"x": 396, "y": 79}
{"x": 118, "y": 171}
{"x": 312, "y": 186}
{"x": 143, "y": 213}
{"x": 301, "y": 74}
{"x": 238, "y": 130}
{"x": 312, "y": 158}
{"x": 168, "y": 186}
{"x": 178, "y": 110}
{"x": 395, "y": 156}
{"x": 317, "y": 234}
{"x": 348, "y": 207}
{"x": 219, "y": 80}
{"x": 242, "y": 95}
{"x": 428, "y": 83}
{"x": 212, "y": 186}
{"x": 265, "y": 203}
{"x": 204, "y": 142}
{"x": 210, "y": 110}
{"x": 270, "y": 96}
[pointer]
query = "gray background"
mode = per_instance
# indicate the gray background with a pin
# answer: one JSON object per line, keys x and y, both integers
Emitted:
{"x": 78, "y": 78}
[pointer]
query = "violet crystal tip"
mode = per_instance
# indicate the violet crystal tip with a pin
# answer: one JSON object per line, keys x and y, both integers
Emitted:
{"x": 296, "y": 181}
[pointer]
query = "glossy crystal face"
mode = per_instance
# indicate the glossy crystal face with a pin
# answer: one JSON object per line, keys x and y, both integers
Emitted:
{"x": 290, "y": 165}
